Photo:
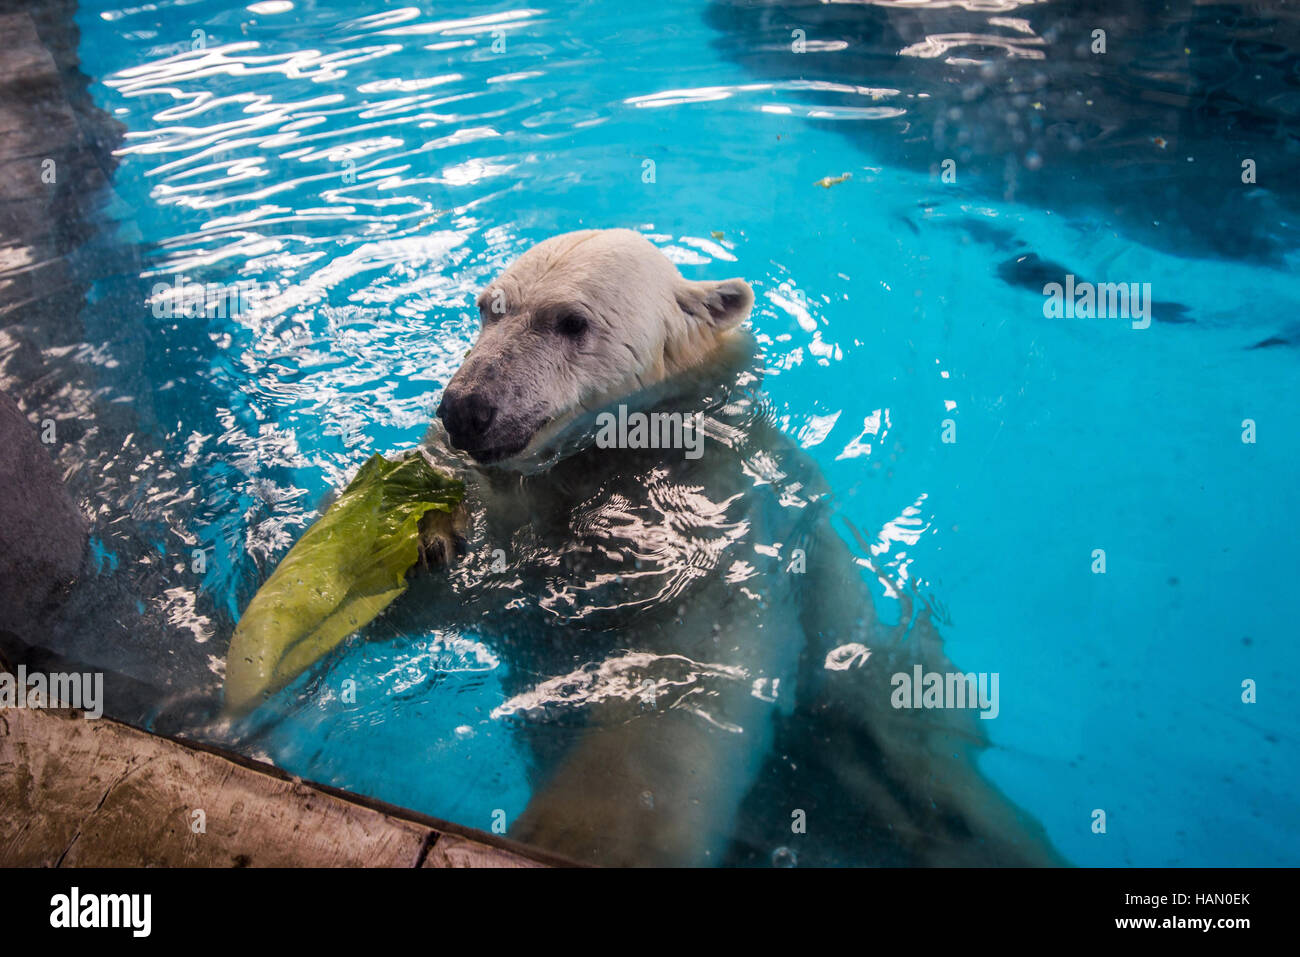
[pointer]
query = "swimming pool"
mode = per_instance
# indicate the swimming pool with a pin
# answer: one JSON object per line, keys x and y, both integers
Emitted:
{"x": 364, "y": 172}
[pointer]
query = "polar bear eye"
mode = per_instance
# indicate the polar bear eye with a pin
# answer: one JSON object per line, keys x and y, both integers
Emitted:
{"x": 571, "y": 325}
{"x": 492, "y": 305}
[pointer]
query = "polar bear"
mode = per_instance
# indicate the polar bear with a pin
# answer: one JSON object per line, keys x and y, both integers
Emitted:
{"x": 697, "y": 666}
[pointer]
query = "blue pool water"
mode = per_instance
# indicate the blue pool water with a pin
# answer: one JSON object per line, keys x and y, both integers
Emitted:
{"x": 368, "y": 167}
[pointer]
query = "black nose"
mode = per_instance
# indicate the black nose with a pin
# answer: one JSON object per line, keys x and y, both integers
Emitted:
{"x": 467, "y": 417}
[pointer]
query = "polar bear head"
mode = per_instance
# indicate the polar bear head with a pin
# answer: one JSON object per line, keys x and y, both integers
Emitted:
{"x": 576, "y": 322}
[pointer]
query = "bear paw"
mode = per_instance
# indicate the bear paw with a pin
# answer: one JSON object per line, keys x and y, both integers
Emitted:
{"x": 442, "y": 536}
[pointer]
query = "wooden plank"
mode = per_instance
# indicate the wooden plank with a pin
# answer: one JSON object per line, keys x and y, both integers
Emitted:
{"x": 451, "y": 850}
{"x": 79, "y": 793}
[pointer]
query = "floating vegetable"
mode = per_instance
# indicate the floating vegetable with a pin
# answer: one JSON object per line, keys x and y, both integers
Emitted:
{"x": 344, "y": 571}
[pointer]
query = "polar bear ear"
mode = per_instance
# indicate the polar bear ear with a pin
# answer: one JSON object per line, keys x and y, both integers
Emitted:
{"x": 723, "y": 304}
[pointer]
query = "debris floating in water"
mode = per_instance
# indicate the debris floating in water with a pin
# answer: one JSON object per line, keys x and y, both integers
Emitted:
{"x": 826, "y": 182}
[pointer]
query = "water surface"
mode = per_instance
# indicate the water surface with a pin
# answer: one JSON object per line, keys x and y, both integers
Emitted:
{"x": 364, "y": 171}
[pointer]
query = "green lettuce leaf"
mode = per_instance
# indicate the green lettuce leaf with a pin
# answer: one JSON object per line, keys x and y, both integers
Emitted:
{"x": 344, "y": 571}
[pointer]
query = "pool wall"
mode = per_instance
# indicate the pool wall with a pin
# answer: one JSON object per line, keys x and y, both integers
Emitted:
{"x": 56, "y": 154}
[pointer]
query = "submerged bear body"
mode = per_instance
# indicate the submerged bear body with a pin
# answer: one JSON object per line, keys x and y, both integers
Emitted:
{"x": 694, "y": 656}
